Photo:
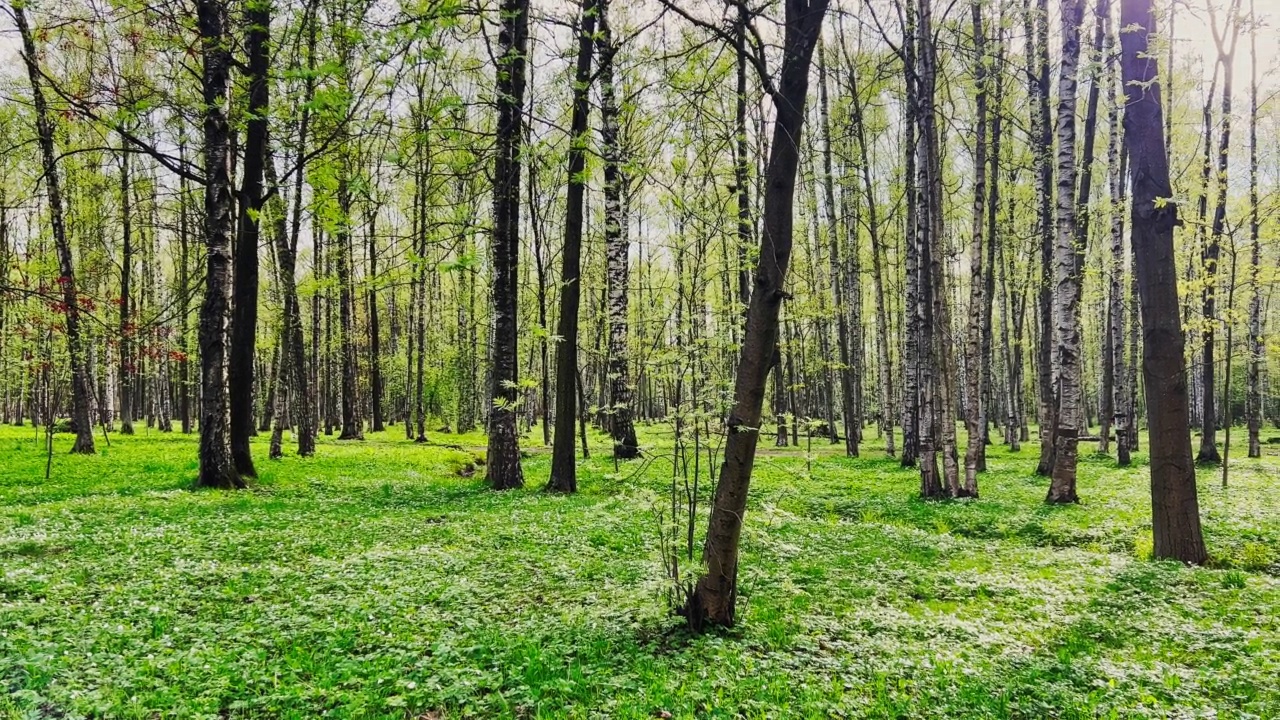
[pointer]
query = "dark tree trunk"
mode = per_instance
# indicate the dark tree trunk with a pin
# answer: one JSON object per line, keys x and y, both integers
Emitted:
{"x": 126, "y": 367}
{"x": 244, "y": 317}
{"x": 1174, "y": 504}
{"x": 81, "y": 385}
{"x": 184, "y": 299}
{"x": 503, "y": 462}
{"x": 1037, "y": 27}
{"x": 352, "y": 426}
{"x": 564, "y": 476}
{"x": 713, "y": 600}
{"x": 217, "y": 467}
{"x": 375, "y": 339}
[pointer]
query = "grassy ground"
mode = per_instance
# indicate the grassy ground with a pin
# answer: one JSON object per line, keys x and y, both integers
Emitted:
{"x": 378, "y": 580}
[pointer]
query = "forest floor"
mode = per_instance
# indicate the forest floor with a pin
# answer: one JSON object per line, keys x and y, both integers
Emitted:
{"x": 381, "y": 580}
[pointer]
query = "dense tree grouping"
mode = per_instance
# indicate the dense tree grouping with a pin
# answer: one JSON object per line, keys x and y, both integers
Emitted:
{"x": 904, "y": 226}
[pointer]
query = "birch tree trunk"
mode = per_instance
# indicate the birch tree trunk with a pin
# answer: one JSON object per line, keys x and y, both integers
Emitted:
{"x": 975, "y": 355}
{"x": 1257, "y": 348}
{"x": 617, "y": 248}
{"x": 1037, "y": 30}
{"x": 912, "y": 410}
{"x": 1115, "y": 375}
{"x": 1066, "y": 273}
{"x": 217, "y": 468}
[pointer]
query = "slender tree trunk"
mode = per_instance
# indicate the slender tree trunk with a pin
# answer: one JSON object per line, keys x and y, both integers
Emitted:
{"x": 1257, "y": 348}
{"x": 294, "y": 367}
{"x": 1175, "y": 507}
{"x": 993, "y": 240}
{"x": 126, "y": 370}
{"x": 244, "y": 310}
{"x": 912, "y": 412}
{"x": 503, "y": 462}
{"x": 375, "y": 332}
{"x": 1084, "y": 190}
{"x": 184, "y": 299}
{"x": 1209, "y": 425}
{"x": 888, "y": 395}
{"x": 1037, "y": 26}
{"x": 617, "y": 247}
{"x": 1066, "y": 274}
{"x": 976, "y": 357}
{"x": 713, "y": 600}
{"x": 937, "y": 326}
{"x": 81, "y": 384}
{"x": 1115, "y": 392}
{"x": 564, "y": 477}
{"x": 837, "y": 270}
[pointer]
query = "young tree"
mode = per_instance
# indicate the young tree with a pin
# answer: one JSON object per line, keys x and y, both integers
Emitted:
{"x": 1174, "y": 504}
{"x": 81, "y": 384}
{"x": 1257, "y": 348}
{"x": 713, "y": 600}
{"x": 1226, "y": 44}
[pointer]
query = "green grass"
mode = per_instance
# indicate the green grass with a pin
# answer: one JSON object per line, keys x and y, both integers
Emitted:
{"x": 378, "y": 581}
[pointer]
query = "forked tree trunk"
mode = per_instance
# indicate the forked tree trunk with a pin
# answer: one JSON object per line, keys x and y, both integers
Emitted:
{"x": 502, "y": 465}
{"x": 564, "y": 474}
{"x": 1212, "y": 250}
{"x": 1174, "y": 504}
{"x": 713, "y": 600}
{"x": 1066, "y": 273}
{"x": 81, "y": 385}
{"x": 617, "y": 248}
